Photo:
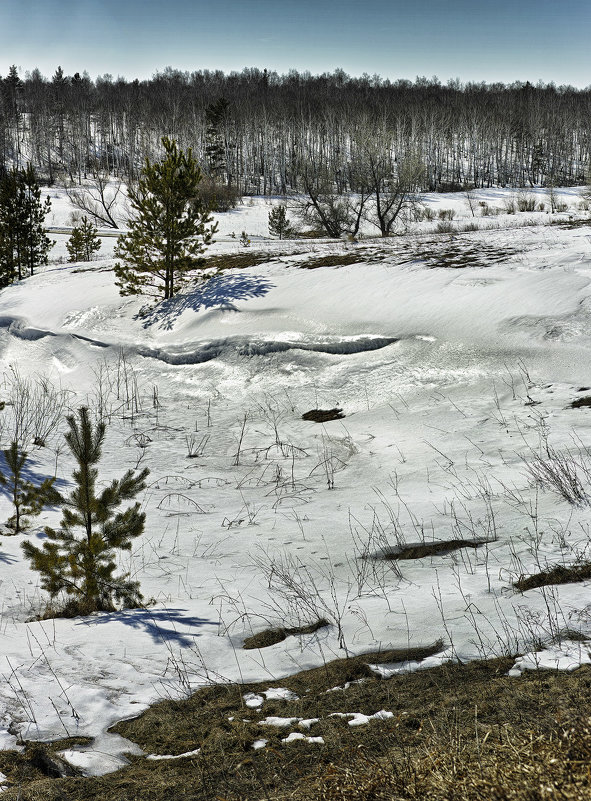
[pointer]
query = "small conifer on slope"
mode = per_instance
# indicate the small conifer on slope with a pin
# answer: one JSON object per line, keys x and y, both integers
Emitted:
{"x": 79, "y": 558}
{"x": 84, "y": 242}
{"x": 279, "y": 225}
{"x": 27, "y": 498}
{"x": 170, "y": 228}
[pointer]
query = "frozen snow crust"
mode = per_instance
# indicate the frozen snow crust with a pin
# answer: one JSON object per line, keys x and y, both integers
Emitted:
{"x": 451, "y": 380}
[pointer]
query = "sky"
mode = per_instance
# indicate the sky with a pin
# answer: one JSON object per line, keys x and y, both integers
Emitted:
{"x": 505, "y": 40}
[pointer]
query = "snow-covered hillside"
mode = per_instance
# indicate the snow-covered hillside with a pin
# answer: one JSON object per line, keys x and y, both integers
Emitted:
{"x": 454, "y": 358}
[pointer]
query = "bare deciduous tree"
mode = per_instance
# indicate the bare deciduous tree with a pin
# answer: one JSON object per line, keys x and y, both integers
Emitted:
{"x": 98, "y": 198}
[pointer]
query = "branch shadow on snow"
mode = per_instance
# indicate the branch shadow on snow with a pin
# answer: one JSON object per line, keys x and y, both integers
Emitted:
{"x": 220, "y": 291}
{"x": 7, "y": 559}
{"x": 28, "y": 473}
{"x": 150, "y": 619}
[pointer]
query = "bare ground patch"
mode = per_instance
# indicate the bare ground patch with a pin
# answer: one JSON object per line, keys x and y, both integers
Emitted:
{"x": 421, "y": 550}
{"x": 559, "y": 574}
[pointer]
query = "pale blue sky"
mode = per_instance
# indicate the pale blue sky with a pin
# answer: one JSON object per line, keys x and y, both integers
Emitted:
{"x": 508, "y": 40}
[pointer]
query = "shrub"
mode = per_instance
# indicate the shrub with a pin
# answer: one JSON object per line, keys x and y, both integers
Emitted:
{"x": 218, "y": 197}
{"x": 526, "y": 203}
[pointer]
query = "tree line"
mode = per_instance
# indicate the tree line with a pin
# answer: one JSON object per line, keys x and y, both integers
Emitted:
{"x": 258, "y": 132}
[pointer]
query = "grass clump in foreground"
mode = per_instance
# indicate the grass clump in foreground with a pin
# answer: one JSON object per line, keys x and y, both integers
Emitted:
{"x": 459, "y": 732}
{"x": 559, "y": 574}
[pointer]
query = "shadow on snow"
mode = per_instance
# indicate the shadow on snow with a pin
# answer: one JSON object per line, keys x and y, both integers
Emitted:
{"x": 220, "y": 291}
{"x": 150, "y": 621}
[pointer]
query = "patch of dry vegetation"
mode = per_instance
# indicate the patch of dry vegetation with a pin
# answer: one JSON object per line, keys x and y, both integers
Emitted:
{"x": 263, "y": 639}
{"x": 458, "y": 733}
{"x": 231, "y": 261}
{"x": 323, "y": 415}
{"x": 559, "y": 574}
{"x": 421, "y": 550}
{"x": 334, "y": 260}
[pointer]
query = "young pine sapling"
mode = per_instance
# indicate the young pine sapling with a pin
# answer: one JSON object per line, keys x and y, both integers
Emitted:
{"x": 27, "y": 498}
{"x": 82, "y": 564}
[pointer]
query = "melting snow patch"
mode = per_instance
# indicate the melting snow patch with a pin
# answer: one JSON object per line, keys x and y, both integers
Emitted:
{"x": 347, "y": 684}
{"x": 305, "y": 724}
{"x": 568, "y": 656}
{"x": 105, "y": 754}
{"x": 358, "y": 719}
{"x": 280, "y": 694}
{"x": 296, "y": 735}
{"x": 252, "y": 700}
{"x": 259, "y": 744}
{"x": 280, "y": 722}
{"x": 388, "y": 669}
{"x": 174, "y": 756}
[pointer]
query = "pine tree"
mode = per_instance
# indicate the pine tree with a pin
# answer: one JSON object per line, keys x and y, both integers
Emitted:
{"x": 10, "y": 229}
{"x": 84, "y": 566}
{"x": 84, "y": 242}
{"x": 215, "y": 149}
{"x": 37, "y": 244}
{"x": 24, "y": 244}
{"x": 279, "y": 225}
{"x": 27, "y": 499}
{"x": 170, "y": 230}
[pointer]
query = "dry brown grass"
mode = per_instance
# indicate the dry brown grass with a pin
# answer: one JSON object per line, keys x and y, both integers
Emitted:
{"x": 459, "y": 733}
{"x": 323, "y": 415}
{"x": 559, "y": 574}
{"x": 578, "y": 403}
{"x": 231, "y": 261}
{"x": 334, "y": 260}
{"x": 263, "y": 639}
{"x": 420, "y": 550}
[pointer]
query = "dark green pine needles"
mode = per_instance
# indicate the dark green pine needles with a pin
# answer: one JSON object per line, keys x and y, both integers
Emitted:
{"x": 28, "y": 499}
{"x": 79, "y": 558}
{"x": 170, "y": 228}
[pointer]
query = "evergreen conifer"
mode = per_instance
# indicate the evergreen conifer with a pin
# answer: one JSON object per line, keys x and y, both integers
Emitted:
{"x": 24, "y": 245}
{"x": 27, "y": 499}
{"x": 84, "y": 241}
{"x": 279, "y": 225}
{"x": 170, "y": 230}
{"x": 215, "y": 148}
{"x": 83, "y": 566}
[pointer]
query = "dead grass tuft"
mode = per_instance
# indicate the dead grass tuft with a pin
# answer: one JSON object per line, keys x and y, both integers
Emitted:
{"x": 580, "y": 402}
{"x": 323, "y": 415}
{"x": 335, "y": 260}
{"x": 263, "y": 639}
{"x": 231, "y": 261}
{"x": 559, "y": 574}
{"x": 420, "y": 550}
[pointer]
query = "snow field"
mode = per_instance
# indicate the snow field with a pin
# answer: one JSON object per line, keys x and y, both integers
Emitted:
{"x": 259, "y": 519}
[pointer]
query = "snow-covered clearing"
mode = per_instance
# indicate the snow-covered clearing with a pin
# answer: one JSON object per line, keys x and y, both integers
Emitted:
{"x": 452, "y": 382}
